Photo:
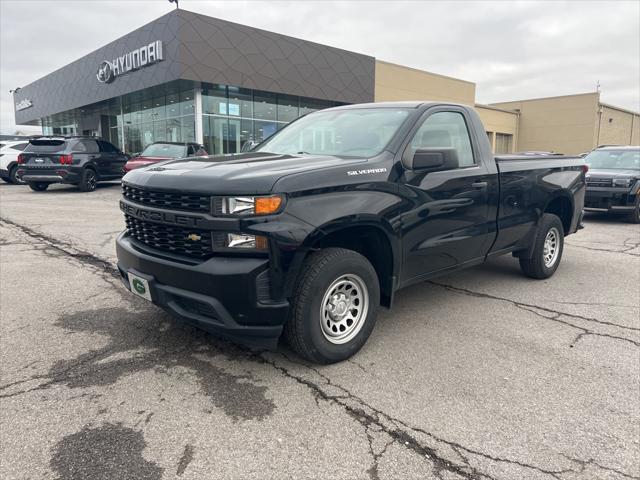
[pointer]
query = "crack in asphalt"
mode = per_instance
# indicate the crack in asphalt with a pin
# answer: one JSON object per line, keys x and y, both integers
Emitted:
{"x": 104, "y": 267}
{"x": 399, "y": 431}
{"x": 373, "y": 471}
{"x": 367, "y": 420}
{"x": 586, "y": 463}
{"x": 404, "y": 437}
{"x": 185, "y": 459}
{"x": 601, "y": 304}
{"x": 555, "y": 314}
{"x": 626, "y": 251}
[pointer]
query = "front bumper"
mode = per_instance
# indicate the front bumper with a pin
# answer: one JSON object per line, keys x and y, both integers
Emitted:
{"x": 223, "y": 295}
{"x": 610, "y": 199}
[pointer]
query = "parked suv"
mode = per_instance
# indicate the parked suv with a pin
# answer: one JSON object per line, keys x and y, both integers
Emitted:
{"x": 81, "y": 161}
{"x": 9, "y": 152}
{"x": 162, "y": 151}
{"x": 613, "y": 181}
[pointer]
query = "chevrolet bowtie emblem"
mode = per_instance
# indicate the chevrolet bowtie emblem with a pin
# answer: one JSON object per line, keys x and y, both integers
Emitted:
{"x": 194, "y": 237}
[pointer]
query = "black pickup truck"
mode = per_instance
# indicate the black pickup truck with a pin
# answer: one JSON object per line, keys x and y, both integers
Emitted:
{"x": 310, "y": 232}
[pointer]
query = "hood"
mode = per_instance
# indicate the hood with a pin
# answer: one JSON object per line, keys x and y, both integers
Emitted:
{"x": 244, "y": 173}
{"x": 612, "y": 173}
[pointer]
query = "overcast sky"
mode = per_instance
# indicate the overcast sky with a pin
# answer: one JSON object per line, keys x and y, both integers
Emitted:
{"x": 511, "y": 50}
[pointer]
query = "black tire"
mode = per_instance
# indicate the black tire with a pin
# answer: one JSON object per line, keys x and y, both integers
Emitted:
{"x": 304, "y": 330}
{"x": 38, "y": 186}
{"x": 635, "y": 216}
{"x": 13, "y": 176}
{"x": 539, "y": 264}
{"x": 6, "y": 179}
{"x": 89, "y": 180}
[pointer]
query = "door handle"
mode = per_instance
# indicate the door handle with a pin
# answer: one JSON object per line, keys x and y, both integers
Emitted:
{"x": 480, "y": 185}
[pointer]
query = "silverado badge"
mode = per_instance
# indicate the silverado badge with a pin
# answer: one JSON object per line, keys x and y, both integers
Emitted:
{"x": 194, "y": 237}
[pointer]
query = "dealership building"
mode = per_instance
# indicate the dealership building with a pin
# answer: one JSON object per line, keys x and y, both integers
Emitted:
{"x": 189, "y": 77}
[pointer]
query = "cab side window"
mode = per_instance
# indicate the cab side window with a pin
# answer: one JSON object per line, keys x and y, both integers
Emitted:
{"x": 444, "y": 130}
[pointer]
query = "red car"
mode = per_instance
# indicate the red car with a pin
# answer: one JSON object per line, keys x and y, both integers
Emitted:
{"x": 162, "y": 151}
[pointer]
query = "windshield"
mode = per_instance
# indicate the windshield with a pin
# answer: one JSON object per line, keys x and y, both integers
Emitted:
{"x": 355, "y": 133}
{"x": 614, "y": 159}
{"x": 164, "y": 150}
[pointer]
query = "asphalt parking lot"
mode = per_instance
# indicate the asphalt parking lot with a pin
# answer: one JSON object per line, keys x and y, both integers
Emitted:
{"x": 481, "y": 375}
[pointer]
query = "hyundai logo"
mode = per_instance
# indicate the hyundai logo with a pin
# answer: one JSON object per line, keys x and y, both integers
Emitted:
{"x": 105, "y": 72}
{"x": 131, "y": 61}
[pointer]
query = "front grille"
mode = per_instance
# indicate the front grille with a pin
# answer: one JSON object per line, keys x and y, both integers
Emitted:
{"x": 174, "y": 239}
{"x": 170, "y": 200}
{"x": 599, "y": 182}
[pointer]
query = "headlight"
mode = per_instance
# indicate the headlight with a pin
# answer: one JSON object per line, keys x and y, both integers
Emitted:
{"x": 246, "y": 206}
{"x": 621, "y": 182}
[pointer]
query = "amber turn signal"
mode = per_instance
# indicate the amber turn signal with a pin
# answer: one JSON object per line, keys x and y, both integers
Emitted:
{"x": 267, "y": 205}
{"x": 262, "y": 243}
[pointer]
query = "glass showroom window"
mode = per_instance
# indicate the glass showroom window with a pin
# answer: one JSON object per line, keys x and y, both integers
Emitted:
{"x": 158, "y": 116}
{"x": 233, "y": 116}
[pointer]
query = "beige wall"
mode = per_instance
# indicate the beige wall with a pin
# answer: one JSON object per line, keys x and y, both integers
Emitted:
{"x": 396, "y": 82}
{"x": 561, "y": 124}
{"x": 616, "y": 126}
{"x": 499, "y": 121}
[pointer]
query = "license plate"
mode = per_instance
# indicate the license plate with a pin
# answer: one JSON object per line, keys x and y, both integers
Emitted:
{"x": 38, "y": 160}
{"x": 139, "y": 286}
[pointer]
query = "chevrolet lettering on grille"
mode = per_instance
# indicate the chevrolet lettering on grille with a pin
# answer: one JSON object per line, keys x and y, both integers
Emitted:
{"x": 164, "y": 217}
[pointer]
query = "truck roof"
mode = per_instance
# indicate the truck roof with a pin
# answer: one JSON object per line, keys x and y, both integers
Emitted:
{"x": 618, "y": 147}
{"x": 403, "y": 104}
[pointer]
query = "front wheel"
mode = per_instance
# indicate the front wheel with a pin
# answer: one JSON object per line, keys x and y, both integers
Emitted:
{"x": 547, "y": 249}
{"x": 89, "y": 180}
{"x": 38, "y": 186}
{"x": 334, "y": 307}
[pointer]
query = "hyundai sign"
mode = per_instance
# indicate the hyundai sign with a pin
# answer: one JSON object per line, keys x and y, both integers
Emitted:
{"x": 139, "y": 58}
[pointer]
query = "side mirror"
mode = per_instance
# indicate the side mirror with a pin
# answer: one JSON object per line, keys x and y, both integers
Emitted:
{"x": 435, "y": 159}
{"x": 248, "y": 146}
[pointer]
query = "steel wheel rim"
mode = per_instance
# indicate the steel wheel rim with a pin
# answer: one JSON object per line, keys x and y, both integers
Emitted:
{"x": 91, "y": 180}
{"x": 551, "y": 247}
{"x": 344, "y": 309}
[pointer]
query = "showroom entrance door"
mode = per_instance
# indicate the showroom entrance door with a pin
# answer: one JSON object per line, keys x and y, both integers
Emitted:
{"x": 222, "y": 136}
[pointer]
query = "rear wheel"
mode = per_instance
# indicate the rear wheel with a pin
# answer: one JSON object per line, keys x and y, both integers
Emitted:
{"x": 334, "y": 306}
{"x": 89, "y": 180}
{"x": 547, "y": 248}
{"x": 38, "y": 186}
{"x": 13, "y": 176}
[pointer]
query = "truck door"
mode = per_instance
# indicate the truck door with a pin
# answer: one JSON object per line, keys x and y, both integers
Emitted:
{"x": 447, "y": 222}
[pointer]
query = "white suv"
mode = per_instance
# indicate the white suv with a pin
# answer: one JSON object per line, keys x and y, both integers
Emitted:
{"x": 9, "y": 152}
